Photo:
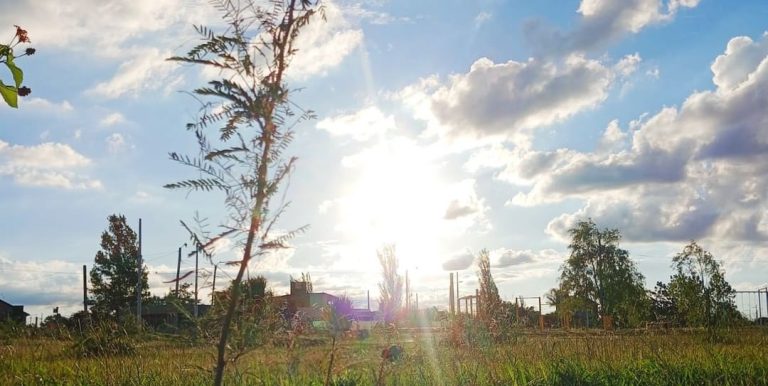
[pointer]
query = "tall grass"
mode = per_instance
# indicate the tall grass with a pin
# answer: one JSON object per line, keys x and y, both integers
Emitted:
{"x": 576, "y": 358}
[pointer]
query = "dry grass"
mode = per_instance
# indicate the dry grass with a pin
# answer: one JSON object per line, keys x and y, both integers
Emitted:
{"x": 632, "y": 358}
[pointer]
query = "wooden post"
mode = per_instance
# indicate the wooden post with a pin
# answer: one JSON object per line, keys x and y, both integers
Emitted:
{"x": 139, "y": 271}
{"x": 85, "y": 291}
{"x": 477, "y": 302}
{"x": 541, "y": 316}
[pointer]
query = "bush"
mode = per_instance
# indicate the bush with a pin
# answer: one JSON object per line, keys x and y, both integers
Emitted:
{"x": 103, "y": 341}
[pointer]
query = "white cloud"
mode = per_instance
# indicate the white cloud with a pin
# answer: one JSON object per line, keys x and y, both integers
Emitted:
{"x": 148, "y": 71}
{"x": 482, "y": 18}
{"x": 697, "y": 171}
{"x": 323, "y": 45}
{"x": 613, "y": 139}
{"x": 40, "y": 105}
{"x": 503, "y": 258}
{"x": 116, "y": 143}
{"x": 628, "y": 64}
{"x": 24, "y": 279}
{"x": 509, "y": 99}
{"x": 602, "y": 22}
{"x": 110, "y": 28}
{"x": 459, "y": 262}
{"x": 362, "y": 125}
{"x": 112, "y": 119}
{"x": 46, "y": 165}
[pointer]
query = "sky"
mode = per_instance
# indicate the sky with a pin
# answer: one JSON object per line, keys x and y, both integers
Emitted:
{"x": 443, "y": 127}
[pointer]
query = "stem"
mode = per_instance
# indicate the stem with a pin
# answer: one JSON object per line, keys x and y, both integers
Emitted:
{"x": 330, "y": 363}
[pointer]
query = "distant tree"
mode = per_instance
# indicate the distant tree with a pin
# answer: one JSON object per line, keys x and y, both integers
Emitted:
{"x": 114, "y": 272}
{"x": 489, "y": 302}
{"x": 601, "y": 276}
{"x": 11, "y": 92}
{"x": 699, "y": 291}
{"x": 391, "y": 286}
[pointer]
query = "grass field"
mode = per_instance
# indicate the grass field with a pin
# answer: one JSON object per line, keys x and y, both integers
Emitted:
{"x": 622, "y": 358}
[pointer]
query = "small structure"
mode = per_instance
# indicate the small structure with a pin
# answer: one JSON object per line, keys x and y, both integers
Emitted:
{"x": 309, "y": 305}
{"x": 12, "y": 313}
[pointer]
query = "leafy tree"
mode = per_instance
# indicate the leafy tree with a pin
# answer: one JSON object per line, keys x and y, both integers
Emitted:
{"x": 699, "y": 290}
{"x": 664, "y": 305}
{"x": 251, "y": 108}
{"x": 391, "y": 286}
{"x": 11, "y": 92}
{"x": 113, "y": 276}
{"x": 489, "y": 302}
{"x": 601, "y": 276}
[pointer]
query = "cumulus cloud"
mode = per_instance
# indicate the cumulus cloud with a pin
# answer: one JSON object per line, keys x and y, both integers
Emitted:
{"x": 466, "y": 203}
{"x": 602, "y": 22}
{"x": 507, "y": 257}
{"x": 323, "y": 45}
{"x": 45, "y": 165}
{"x": 112, "y": 119}
{"x": 24, "y": 280}
{"x": 40, "y": 105}
{"x": 148, "y": 71}
{"x": 121, "y": 26}
{"x": 361, "y": 125}
{"x": 687, "y": 172}
{"x": 459, "y": 262}
{"x": 116, "y": 143}
{"x": 510, "y": 99}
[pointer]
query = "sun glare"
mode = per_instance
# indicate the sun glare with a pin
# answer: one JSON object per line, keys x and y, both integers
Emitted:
{"x": 396, "y": 197}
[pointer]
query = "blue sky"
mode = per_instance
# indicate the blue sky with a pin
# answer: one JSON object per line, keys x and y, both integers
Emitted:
{"x": 443, "y": 127}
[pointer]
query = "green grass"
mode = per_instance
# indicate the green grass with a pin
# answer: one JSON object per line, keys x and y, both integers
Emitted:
{"x": 575, "y": 358}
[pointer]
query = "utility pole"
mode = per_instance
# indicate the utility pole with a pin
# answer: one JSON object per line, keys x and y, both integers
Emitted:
{"x": 197, "y": 250}
{"x": 369, "y": 300}
{"x": 458, "y": 302}
{"x": 451, "y": 301}
{"x": 213, "y": 287}
{"x": 85, "y": 291}
{"x": 407, "y": 292}
{"x": 178, "y": 272}
{"x": 138, "y": 282}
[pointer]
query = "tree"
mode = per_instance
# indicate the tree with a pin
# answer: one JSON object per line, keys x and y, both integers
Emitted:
{"x": 699, "y": 290}
{"x": 601, "y": 276}
{"x": 391, "y": 286}
{"x": 489, "y": 304}
{"x": 113, "y": 276}
{"x": 664, "y": 305}
{"x": 250, "y": 106}
{"x": 11, "y": 92}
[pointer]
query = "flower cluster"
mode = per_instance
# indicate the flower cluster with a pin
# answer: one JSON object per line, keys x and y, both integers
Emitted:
{"x": 21, "y": 34}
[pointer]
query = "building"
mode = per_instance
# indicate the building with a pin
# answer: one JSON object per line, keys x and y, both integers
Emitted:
{"x": 310, "y": 304}
{"x": 12, "y": 313}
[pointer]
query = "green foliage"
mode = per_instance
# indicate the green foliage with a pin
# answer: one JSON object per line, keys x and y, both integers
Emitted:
{"x": 489, "y": 304}
{"x": 600, "y": 277}
{"x": 113, "y": 276}
{"x": 105, "y": 340}
{"x": 391, "y": 285}
{"x": 250, "y": 108}
{"x": 576, "y": 358}
{"x": 698, "y": 294}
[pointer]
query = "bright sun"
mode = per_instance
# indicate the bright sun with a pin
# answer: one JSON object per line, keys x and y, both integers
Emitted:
{"x": 399, "y": 197}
